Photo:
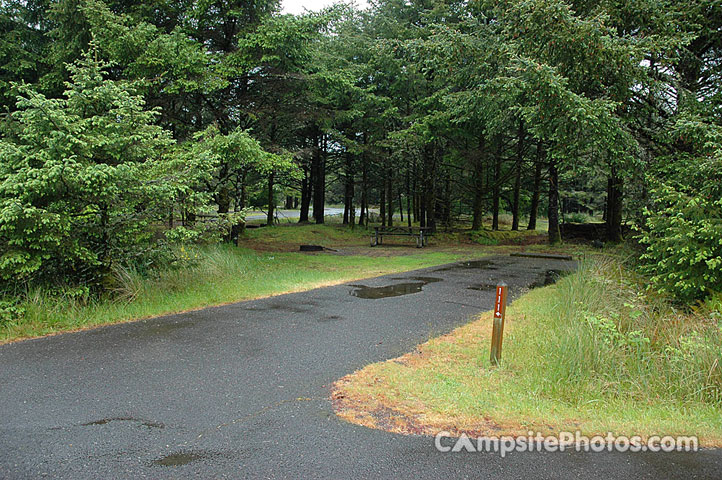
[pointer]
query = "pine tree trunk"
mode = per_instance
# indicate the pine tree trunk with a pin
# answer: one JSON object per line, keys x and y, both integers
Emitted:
{"x": 401, "y": 206}
{"x": 319, "y": 181}
{"x": 422, "y": 210}
{"x": 408, "y": 198}
{"x": 415, "y": 199}
{"x": 615, "y": 206}
{"x": 554, "y": 232}
{"x": 517, "y": 177}
{"x": 431, "y": 210}
{"x": 382, "y": 205}
{"x": 363, "y": 215}
{"x": 478, "y": 182}
{"x": 537, "y": 188}
{"x": 271, "y": 199}
{"x": 390, "y": 199}
{"x": 424, "y": 207}
{"x": 431, "y": 191}
{"x": 306, "y": 190}
{"x": 447, "y": 202}
{"x": 495, "y": 190}
{"x": 348, "y": 196}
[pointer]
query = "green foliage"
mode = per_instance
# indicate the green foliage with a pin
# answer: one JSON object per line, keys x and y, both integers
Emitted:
{"x": 577, "y": 218}
{"x": 228, "y": 160}
{"x": 683, "y": 223}
{"x": 607, "y": 339}
{"x": 11, "y": 311}
{"x": 714, "y": 305}
{"x": 171, "y": 62}
{"x": 238, "y": 149}
{"x": 83, "y": 179}
{"x": 22, "y": 45}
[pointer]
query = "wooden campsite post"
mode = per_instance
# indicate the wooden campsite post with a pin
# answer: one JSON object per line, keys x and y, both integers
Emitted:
{"x": 497, "y": 332}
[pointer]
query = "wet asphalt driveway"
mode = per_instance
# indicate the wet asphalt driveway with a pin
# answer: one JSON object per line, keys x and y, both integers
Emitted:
{"x": 241, "y": 391}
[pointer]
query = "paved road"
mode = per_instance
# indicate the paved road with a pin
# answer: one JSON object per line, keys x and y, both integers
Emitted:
{"x": 285, "y": 215}
{"x": 289, "y": 215}
{"x": 241, "y": 391}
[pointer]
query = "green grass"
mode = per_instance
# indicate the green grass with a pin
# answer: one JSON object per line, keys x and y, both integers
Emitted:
{"x": 579, "y": 218}
{"x": 591, "y": 353}
{"x": 208, "y": 276}
{"x": 296, "y": 234}
{"x": 489, "y": 237}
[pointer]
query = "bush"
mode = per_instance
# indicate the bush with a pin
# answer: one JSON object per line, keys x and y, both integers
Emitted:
{"x": 10, "y": 311}
{"x": 684, "y": 244}
{"x": 83, "y": 182}
{"x": 683, "y": 225}
{"x": 577, "y": 217}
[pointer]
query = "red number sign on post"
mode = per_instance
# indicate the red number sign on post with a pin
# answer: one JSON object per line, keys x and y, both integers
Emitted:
{"x": 497, "y": 332}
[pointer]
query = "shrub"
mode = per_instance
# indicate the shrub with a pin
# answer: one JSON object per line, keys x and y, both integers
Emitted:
{"x": 10, "y": 311}
{"x": 83, "y": 180}
{"x": 577, "y": 217}
{"x": 683, "y": 224}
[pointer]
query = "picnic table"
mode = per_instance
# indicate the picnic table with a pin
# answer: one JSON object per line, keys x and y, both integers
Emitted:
{"x": 421, "y": 234}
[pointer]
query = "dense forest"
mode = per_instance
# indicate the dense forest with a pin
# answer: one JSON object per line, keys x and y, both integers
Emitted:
{"x": 131, "y": 127}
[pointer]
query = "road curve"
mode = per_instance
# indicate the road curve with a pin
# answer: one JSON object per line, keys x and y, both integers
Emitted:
{"x": 241, "y": 391}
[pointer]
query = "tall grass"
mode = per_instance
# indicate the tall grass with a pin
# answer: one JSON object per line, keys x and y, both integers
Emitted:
{"x": 604, "y": 337}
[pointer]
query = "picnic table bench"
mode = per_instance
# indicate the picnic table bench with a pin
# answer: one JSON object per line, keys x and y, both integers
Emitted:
{"x": 420, "y": 234}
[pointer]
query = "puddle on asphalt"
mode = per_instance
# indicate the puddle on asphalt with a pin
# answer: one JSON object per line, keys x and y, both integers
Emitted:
{"x": 548, "y": 278}
{"x": 420, "y": 279}
{"x": 105, "y": 421}
{"x": 160, "y": 329}
{"x": 480, "y": 264}
{"x": 395, "y": 290}
{"x": 178, "y": 459}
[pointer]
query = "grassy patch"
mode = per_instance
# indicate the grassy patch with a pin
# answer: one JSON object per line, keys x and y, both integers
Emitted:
{"x": 506, "y": 237}
{"x": 209, "y": 276}
{"x": 292, "y": 235}
{"x": 591, "y": 353}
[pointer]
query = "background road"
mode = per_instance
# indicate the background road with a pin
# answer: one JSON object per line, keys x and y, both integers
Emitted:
{"x": 288, "y": 215}
{"x": 241, "y": 391}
